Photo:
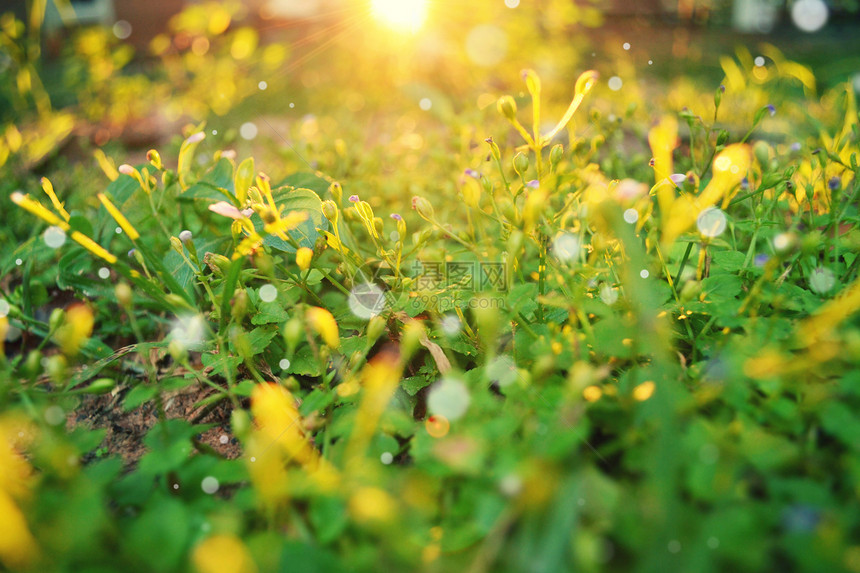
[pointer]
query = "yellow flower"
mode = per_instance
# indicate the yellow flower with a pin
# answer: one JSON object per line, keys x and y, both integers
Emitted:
{"x": 371, "y": 505}
{"x": 324, "y": 324}
{"x": 279, "y": 427}
{"x": 644, "y": 391}
{"x": 223, "y": 553}
{"x": 76, "y": 329}
{"x": 730, "y": 167}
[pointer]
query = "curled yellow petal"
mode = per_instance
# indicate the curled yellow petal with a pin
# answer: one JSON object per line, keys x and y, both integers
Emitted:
{"x": 583, "y": 85}
{"x": 49, "y": 191}
{"x": 119, "y": 218}
{"x": 29, "y": 204}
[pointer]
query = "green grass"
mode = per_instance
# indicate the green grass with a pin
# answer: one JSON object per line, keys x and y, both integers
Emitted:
{"x": 573, "y": 357}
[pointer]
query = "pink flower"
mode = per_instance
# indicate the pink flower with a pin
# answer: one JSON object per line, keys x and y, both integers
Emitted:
{"x": 227, "y": 210}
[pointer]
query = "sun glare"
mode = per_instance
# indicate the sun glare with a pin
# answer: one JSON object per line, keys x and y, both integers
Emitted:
{"x": 400, "y": 14}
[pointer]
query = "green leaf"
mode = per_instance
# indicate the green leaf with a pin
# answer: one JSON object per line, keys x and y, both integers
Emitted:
{"x": 137, "y": 396}
{"x": 315, "y": 401}
{"x": 306, "y": 180}
{"x": 269, "y": 312}
{"x": 304, "y": 363}
{"x": 260, "y": 337}
{"x": 413, "y": 384}
{"x": 158, "y": 537}
{"x": 727, "y": 262}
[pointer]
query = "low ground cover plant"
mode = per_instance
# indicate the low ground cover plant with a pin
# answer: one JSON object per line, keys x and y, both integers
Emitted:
{"x": 556, "y": 335}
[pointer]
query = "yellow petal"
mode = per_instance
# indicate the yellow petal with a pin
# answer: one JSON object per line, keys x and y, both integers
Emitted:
{"x": 303, "y": 258}
{"x": 17, "y": 546}
{"x": 36, "y": 208}
{"x": 76, "y": 329}
{"x": 119, "y": 217}
{"x": 324, "y": 324}
{"x": 663, "y": 139}
{"x": 49, "y": 191}
{"x": 223, "y": 553}
{"x": 380, "y": 378}
{"x": 93, "y": 247}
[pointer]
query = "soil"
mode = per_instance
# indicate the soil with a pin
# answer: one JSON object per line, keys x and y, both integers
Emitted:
{"x": 126, "y": 430}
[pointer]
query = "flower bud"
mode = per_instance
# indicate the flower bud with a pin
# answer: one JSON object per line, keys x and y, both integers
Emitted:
{"x": 329, "y": 210}
{"x": 56, "y": 366}
{"x": 761, "y": 150}
{"x": 532, "y": 83}
{"x": 123, "y": 295}
{"x": 494, "y": 148}
{"x": 375, "y": 328}
{"x": 410, "y": 338}
{"x": 303, "y": 258}
{"x": 324, "y": 324}
{"x": 336, "y": 191}
{"x": 219, "y": 264}
{"x": 57, "y": 317}
{"x": 292, "y": 333}
{"x": 423, "y": 207}
{"x": 154, "y": 158}
{"x": 507, "y": 107}
{"x": 32, "y": 366}
{"x": 556, "y": 154}
{"x": 240, "y": 423}
{"x": 100, "y": 386}
{"x": 239, "y": 304}
{"x": 521, "y": 163}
